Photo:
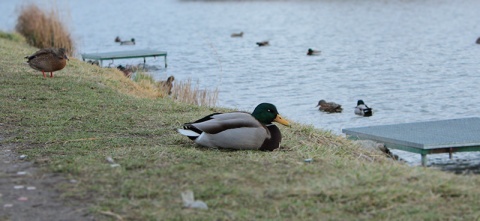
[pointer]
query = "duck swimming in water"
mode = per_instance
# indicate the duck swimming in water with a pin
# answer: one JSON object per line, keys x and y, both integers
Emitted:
{"x": 263, "y": 43}
{"x": 313, "y": 52}
{"x": 362, "y": 109}
{"x": 330, "y": 107}
{"x": 131, "y": 42}
{"x": 237, "y": 35}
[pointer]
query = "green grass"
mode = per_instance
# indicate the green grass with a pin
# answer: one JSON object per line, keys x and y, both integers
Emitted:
{"x": 71, "y": 123}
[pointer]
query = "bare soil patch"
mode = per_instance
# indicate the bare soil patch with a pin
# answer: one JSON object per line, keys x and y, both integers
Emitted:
{"x": 27, "y": 193}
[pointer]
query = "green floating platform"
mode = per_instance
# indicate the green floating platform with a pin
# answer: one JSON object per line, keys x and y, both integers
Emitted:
{"x": 125, "y": 55}
{"x": 443, "y": 136}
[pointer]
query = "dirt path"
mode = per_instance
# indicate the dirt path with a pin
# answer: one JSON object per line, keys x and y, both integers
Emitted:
{"x": 28, "y": 194}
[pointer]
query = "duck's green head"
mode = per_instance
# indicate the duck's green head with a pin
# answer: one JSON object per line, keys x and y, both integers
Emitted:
{"x": 266, "y": 113}
{"x": 360, "y": 102}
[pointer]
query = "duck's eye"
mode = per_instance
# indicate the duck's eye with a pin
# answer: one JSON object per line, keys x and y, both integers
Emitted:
{"x": 269, "y": 110}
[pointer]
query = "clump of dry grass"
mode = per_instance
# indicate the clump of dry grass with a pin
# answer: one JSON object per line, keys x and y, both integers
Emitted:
{"x": 44, "y": 29}
{"x": 184, "y": 92}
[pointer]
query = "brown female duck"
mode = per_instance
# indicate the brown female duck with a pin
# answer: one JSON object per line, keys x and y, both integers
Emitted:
{"x": 167, "y": 85}
{"x": 237, "y": 35}
{"x": 48, "y": 60}
{"x": 329, "y": 107}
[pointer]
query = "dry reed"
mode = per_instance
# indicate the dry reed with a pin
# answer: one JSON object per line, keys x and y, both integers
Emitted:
{"x": 182, "y": 91}
{"x": 44, "y": 29}
{"x": 186, "y": 93}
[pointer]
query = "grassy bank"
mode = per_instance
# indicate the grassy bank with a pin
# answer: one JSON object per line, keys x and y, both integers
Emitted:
{"x": 71, "y": 123}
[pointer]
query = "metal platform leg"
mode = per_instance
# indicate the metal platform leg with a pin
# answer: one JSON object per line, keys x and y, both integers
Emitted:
{"x": 424, "y": 159}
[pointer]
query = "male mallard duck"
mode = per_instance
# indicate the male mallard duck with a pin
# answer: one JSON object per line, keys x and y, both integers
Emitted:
{"x": 48, "y": 60}
{"x": 362, "y": 109}
{"x": 329, "y": 107}
{"x": 262, "y": 43}
{"x": 117, "y": 39}
{"x": 238, "y": 35}
{"x": 167, "y": 85}
{"x": 312, "y": 52}
{"x": 238, "y": 130}
{"x": 131, "y": 42}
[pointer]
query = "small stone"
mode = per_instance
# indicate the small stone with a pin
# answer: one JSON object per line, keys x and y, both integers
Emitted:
{"x": 23, "y": 156}
{"x": 114, "y": 165}
{"x": 22, "y": 198}
{"x": 17, "y": 187}
{"x": 309, "y": 160}
{"x": 190, "y": 202}
{"x": 31, "y": 188}
{"x": 197, "y": 204}
{"x": 73, "y": 181}
{"x": 21, "y": 173}
{"x": 110, "y": 159}
{"x": 8, "y": 205}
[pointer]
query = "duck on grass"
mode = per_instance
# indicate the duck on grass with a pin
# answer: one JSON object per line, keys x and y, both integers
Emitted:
{"x": 48, "y": 60}
{"x": 238, "y": 130}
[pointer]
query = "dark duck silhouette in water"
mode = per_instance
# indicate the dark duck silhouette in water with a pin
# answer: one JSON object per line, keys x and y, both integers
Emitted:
{"x": 362, "y": 109}
{"x": 48, "y": 60}
{"x": 263, "y": 43}
{"x": 238, "y": 130}
{"x": 330, "y": 107}
{"x": 237, "y": 35}
{"x": 131, "y": 42}
{"x": 313, "y": 52}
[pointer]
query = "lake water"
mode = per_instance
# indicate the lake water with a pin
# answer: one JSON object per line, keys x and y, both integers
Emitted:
{"x": 410, "y": 60}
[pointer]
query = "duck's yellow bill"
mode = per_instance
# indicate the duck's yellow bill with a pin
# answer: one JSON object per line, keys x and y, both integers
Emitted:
{"x": 279, "y": 119}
